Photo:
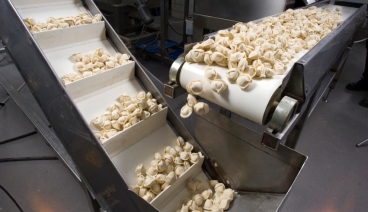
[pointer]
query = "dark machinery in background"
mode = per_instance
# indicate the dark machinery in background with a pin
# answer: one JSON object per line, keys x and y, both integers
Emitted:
{"x": 132, "y": 20}
{"x": 210, "y": 14}
{"x": 129, "y": 18}
{"x": 143, "y": 13}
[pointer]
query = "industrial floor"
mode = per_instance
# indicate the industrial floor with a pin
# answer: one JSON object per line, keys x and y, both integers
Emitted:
{"x": 333, "y": 179}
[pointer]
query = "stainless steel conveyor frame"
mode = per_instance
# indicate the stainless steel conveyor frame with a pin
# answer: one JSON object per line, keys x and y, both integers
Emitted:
{"x": 261, "y": 177}
{"x": 313, "y": 75}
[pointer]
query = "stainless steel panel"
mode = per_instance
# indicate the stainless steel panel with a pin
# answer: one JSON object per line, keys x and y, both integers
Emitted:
{"x": 241, "y": 10}
{"x": 218, "y": 14}
{"x": 260, "y": 202}
{"x": 16, "y": 125}
{"x": 310, "y": 69}
{"x": 250, "y": 166}
{"x": 202, "y": 22}
{"x": 354, "y": 1}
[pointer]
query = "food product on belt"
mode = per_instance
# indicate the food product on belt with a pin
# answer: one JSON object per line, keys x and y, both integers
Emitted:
{"x": 263, "y": 49}
{"x": 61, "y": 22}
{"x": 210, "y": 74}
{"x": 186, "y": 111}
{"x": 94, "y": 62}
{"x": 195, "y": 87}
{"x": 123, "y": 115}
{"x": 218, "y": 86}
{"x": 244, "y": 81}
{"x": 199, "y": 108}
{"x": 207, "y": 200}
{"x": 232, "y": 74}
{"x": 164, "y": 170}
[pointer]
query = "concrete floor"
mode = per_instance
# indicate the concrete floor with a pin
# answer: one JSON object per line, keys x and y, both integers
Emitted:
{"x": 334, "y": 177}
{"x": 36, "y": 185}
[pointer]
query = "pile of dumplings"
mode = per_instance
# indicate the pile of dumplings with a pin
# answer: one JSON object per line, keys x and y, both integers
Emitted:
{"x": 94, "y": 62}
{"x": 207, "y": 200}
{"x": 61, "y": 22}
{"x": 164, "y": 169}
{"x": 128, "y": 112}
{"x": 261, "y": 50}
{"x": 199, "y": 108}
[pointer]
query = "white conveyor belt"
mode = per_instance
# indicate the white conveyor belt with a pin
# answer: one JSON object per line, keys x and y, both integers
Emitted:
{"x": 251, "y": 103}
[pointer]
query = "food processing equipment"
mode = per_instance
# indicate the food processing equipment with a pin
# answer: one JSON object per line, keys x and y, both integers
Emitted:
{"x": 281, "y": 103}
{"x": 131, "y": 19}
{"x": 232, "y": 154}
{"x": 210, "y": 15}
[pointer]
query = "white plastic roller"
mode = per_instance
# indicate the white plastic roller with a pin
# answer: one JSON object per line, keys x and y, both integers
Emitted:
{"x": 255, "y": 103}
{"x": 250, "y": 103}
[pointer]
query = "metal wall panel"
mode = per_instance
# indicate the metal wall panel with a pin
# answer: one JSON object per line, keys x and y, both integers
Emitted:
{"x": 241, "y": 10}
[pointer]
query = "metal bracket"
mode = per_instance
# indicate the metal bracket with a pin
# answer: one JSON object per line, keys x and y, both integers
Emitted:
{"x": 7, "y": 98}
{"x": 225, "y": 112}
{"x": 173, "y": 90}
{"x": 270, "y": 141}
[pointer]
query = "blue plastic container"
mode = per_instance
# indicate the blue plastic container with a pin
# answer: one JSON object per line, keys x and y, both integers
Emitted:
{"x": 155, "y": 47}
{"x": 175, "y": 54}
